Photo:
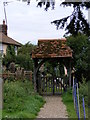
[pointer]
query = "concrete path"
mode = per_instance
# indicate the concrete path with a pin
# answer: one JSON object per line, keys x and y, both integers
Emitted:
{"x": 53, "y": 108}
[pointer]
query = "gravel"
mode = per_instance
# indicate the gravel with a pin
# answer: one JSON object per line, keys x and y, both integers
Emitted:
{"x": 53, "y": 108}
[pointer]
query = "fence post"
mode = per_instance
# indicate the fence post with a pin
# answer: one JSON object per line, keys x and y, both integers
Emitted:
{"x": 73, "y": 92}
{"x": 78, "y": 100}
{"x": 76, "y": 103}
{"x": 30, "y": 75}
{"x": 84, "y": 108}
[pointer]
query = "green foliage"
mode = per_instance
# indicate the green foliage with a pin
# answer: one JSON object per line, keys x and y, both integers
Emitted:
{"x": 10, "y": 55}
{"x": 80, "y": 46}
{"x": 20, "y": 101}
{"x": 0, "y": 64}
{"x": 83, "y": 90}
{"x": 24, "y": 56}
{"x": 27, "y": 48}
{"x": 23, "y": 59}
{"x": 10, "y": 50}
{"x": 67, "y": 98}
{"x": 54, "y": 68}
{"x": 13, "y": 91}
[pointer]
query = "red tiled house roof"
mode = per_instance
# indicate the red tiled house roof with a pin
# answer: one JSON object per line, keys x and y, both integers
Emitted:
{"x": 52, "y": 48}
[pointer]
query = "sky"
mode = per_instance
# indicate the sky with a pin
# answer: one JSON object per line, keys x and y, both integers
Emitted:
{"x": 30, "y": 23}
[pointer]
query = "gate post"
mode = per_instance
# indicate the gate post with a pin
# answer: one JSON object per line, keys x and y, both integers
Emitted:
{"x": 35, "y": 74}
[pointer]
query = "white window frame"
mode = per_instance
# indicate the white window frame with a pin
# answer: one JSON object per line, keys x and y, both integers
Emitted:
{"x": 1, "y": 49}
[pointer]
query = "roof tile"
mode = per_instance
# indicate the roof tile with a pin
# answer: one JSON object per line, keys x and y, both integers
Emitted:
{"x": 52, "y": 48}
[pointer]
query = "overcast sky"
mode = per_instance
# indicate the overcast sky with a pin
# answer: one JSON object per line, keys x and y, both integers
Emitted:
{"x": 30, "y": 23}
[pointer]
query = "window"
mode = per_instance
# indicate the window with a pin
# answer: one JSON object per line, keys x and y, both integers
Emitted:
{"x": 15, "y": 50}
{"x": 1, "y": 49}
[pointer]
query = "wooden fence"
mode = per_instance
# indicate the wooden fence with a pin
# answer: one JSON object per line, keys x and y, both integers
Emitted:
{"x": 17, "y": 75}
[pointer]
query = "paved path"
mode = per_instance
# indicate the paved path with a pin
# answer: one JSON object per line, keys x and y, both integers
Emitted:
{"x": 53, "y": 108}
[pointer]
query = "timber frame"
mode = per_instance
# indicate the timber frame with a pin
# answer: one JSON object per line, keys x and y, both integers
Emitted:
{"x": 51, "y": 49}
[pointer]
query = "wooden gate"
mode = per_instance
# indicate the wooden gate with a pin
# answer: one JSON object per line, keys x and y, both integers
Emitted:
{"x": 50, "y": 85}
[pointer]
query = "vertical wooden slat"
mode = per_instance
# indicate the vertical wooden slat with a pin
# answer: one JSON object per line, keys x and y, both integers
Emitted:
{"x": 46, "y": 84}
{"x": 42, "y": 85}
{"x": 51, "y": 85}
{"x": 56, "y": 85}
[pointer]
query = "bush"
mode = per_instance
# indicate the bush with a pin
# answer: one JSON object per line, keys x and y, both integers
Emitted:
{"x": 83, "y": 90}
{"x": 25, "y": 61}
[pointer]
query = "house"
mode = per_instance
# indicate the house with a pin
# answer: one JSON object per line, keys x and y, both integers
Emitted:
{"x": 5, "y": 40}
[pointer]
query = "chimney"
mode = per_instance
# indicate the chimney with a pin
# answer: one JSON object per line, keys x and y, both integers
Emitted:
{"x": 3, "y": 28}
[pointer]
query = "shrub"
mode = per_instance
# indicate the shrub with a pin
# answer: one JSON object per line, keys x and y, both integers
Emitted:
{"x": 83, "y": 90}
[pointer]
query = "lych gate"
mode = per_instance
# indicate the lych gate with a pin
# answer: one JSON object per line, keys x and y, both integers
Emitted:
{"x": 56, "y": 53}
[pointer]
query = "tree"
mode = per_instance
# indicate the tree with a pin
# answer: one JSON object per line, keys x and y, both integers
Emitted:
{"x": 24, "y": 56}
{"x": 10, "y": 56}
{"x": 26, "y": 49}
{"x": 24, "y": 61}
{"x": 77, "y": 22}
{"x": 80, "y": 45}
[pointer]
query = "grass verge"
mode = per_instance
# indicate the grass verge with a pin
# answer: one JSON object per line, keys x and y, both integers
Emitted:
{"x": 68, "y": 101}
{"x": 20, "y": 101}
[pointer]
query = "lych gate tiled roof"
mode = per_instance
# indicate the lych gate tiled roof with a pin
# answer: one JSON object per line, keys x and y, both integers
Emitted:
{"x": 7, "y": 40}
{"x": 52, "y": 48}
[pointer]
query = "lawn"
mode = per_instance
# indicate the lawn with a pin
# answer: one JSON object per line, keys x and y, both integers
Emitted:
{"x": 20, "y": 101}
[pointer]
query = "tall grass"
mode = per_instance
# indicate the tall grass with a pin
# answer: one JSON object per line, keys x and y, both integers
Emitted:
{"x": 20, "y": 101}
{"x": 67, "y": 98}
{"x": 83, "y": 92}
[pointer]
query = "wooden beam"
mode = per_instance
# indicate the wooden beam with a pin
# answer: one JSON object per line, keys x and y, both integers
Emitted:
{"x": 35, "y": 74}
{"x": 36, "y": 68}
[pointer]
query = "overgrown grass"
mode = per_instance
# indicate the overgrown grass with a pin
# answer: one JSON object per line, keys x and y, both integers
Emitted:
{"x": 83, "y": 92}
{"x": 68, "y": 101}
{"x": 20, "y": 101}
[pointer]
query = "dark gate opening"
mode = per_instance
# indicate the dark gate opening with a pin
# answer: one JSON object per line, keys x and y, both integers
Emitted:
{"x": 51, "y": 86}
